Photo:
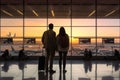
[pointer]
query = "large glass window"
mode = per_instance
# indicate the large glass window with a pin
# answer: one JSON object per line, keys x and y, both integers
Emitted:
{"x": 34, "y": 26}
{"x": 108, "y": 25}
{"x": 11, "y": 27}
{"x": 94, "y": 25}
{"x": 91, "y": 24}
{"x": 59, "y": 15}
{"x": 83, "y": 26}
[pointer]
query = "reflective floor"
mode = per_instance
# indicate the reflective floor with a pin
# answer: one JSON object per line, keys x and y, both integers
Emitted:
{"x": 76, "y": 70}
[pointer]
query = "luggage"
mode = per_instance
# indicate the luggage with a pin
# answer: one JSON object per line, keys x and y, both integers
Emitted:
{"x": 41, "y": 62}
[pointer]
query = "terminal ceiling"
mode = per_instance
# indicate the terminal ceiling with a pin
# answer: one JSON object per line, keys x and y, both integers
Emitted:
{"x": 60, "y": 9}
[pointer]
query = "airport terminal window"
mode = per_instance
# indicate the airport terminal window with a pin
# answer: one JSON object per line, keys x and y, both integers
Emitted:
{"x": 108, "y": 22}
{"x": 34, "y": 26}
{"x": 34, "y": 31}
{"x": 83, "y": 26}
{"x": 91, "y": 24}
{"x": 11, "y": 27}
{"x": 11, "y": 32}
{"x": 85, "y": 36}
{"x": 66, "y": 22}
{"x": 83, "y": 20}
{"x": 59, "y": 15}
{"x": 11, "y": 22}
{"x": 103, "y": 31}
{"x": 83, "y": 31}
{"x": 108, "y": 26}
{"x": 35, "y": 22}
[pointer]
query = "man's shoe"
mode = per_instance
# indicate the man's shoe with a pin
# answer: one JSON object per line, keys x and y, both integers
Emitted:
{"x": 52, "y": 71}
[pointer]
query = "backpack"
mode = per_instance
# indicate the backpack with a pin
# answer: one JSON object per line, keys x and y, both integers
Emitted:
{"x": 63, "y": 40}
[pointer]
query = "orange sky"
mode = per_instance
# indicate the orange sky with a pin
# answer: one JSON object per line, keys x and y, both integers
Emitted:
{"x": 78, "y": 27}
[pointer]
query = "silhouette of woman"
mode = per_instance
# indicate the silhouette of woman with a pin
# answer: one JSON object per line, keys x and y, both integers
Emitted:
{"x": 63, "y": 46}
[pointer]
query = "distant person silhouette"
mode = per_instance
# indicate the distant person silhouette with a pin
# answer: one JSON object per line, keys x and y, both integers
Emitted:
{"x": 90, "y": 53}
{"x": 6, "y": 54}
{"x": 49, "y": 43}
{"x": 86, "y": 52}
{"x": 116, "y": 53}
{"x": 63, "y": 46}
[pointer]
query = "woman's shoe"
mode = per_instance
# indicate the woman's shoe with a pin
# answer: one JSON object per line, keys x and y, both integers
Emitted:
{"x": 64, "y": 71}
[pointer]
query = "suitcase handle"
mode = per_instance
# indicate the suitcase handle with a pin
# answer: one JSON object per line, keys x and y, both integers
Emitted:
{"x": 43, "y": 51}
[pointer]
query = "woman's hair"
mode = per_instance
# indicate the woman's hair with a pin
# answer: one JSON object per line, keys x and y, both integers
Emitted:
{"x": 62, "y": 31}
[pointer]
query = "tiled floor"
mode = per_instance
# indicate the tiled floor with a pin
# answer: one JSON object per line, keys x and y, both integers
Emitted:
{"x": 76, "y": 70}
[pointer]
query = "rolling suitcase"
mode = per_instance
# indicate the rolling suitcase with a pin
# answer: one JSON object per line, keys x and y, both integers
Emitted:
{"x": 41, "y": 63}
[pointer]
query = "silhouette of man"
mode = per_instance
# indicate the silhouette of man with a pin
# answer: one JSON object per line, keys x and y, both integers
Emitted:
{"x": 49, "y": 43}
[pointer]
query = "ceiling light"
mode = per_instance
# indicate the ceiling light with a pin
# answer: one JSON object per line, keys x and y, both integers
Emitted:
{"x": 15, "y": 9}
{"x": 20, "y": 12}
{"x": 91, "y": 13}
{"x": 110, "y": 13}
{"x": 52, "y": 12}
{"x": 35, "y": 13}
{"x": 69, "y": 12}
{"x": 7, "y": 13}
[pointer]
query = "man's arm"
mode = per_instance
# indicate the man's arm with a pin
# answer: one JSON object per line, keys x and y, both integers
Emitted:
{"x": 43, "y": 36}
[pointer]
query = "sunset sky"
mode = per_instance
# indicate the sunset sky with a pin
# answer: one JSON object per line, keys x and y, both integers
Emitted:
{"x": 80, "y": 27}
